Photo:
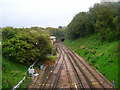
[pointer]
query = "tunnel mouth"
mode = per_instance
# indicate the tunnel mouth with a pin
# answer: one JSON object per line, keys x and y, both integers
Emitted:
{"x": 63, "y": 39}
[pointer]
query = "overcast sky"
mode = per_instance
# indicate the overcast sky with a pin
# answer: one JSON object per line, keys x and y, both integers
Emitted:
{"x": 43, "y": 13}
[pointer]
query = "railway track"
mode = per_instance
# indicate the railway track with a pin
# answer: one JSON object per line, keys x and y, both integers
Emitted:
{"x": 79, "y": 81}
{"x": 71, "y": 71}
{"x": 65, "y": 76}
{"x": 68, "y": 73}
{"x": 93, "y": 79}
{"x": 52, "y": 80}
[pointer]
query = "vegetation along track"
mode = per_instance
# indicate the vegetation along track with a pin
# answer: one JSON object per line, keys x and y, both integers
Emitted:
{"x": 89, "y": 76}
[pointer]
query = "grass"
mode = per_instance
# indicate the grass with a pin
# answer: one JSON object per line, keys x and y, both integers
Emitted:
{"x": 25, "y": 83}
{"x": 12, "y": 73}
{"x": 101, "y": 55}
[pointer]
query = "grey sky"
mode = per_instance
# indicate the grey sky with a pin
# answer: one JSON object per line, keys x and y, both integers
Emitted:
{"x": 43, "y": 13}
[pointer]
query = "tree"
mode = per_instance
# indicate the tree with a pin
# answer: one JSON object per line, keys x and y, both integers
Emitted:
{"x": 101, "y": 19}
{"x": 25, "y": 45}
{"x": 79, "y": 26}
{"x": 60, "y": 27}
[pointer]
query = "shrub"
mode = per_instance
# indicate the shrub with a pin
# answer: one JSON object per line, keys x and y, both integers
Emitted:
{"x": 26, "y": 45}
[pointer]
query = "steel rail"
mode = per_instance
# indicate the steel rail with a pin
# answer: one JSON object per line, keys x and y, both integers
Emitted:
{"x": 68, "y": 73}
{"x": 77, "y": 75}
{"x": 42, "y": 82}
{"x": 54, "y": 68}
{"x": 83, "y": 64}
{"x": 52, "y": 72}
{"x": 58, "y": 76}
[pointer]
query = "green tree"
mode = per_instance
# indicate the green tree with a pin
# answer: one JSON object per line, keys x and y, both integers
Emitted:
{"x": 25, "y": 45}
{"x": 104, "y": 19}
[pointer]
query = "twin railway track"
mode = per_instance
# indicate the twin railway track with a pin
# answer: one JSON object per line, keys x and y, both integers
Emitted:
{"x": 71, "y": 71}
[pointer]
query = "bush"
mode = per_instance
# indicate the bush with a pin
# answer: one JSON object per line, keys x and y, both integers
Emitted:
{"x": 26, "y": 45}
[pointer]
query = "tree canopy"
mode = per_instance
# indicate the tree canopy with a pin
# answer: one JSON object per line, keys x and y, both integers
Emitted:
{"x": 25, "y": 44}
{"x": 101, "y": 19}
{"x": 57, "y": 32}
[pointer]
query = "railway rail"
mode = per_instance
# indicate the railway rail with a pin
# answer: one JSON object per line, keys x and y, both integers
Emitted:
{"x": 71, "y": 71}
{"x": 92, "y": 77}
{"x": 80, "y": 83}
{"x": 66, "y": 74}
{"x": 52, "y": 80}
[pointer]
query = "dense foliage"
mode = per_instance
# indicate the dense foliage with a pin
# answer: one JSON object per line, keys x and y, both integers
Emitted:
{"x": 101, "y": 19}
{"x": 25, "y": 44}
{"x": 57, "y": 32}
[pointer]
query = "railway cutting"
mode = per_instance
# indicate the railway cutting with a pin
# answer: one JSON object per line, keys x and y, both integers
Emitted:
{"x": 70, "y": 72}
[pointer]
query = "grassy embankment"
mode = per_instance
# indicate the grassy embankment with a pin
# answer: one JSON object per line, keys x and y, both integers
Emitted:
{"x": 12, "y": 73}
{"x": 101, "y": 55}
